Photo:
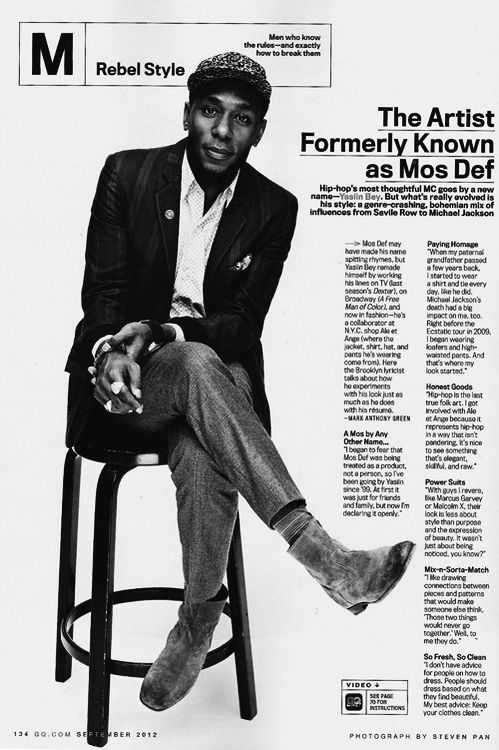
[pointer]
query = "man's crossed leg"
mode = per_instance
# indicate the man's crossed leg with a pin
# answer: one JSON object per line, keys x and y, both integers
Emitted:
{"x": 218, "y": 446}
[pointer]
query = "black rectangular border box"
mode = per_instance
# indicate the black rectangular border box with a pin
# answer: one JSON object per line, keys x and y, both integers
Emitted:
{"x": 167, "y": 23}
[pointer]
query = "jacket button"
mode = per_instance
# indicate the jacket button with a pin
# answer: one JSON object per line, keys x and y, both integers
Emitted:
{"x": 169, "y": 214}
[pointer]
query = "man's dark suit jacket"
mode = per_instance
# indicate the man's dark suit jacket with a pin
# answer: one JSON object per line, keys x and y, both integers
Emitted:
{"x": 131, "y": 258}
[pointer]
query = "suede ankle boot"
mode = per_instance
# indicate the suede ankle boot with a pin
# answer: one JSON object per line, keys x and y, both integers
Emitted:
{"x": 353, "y": 578}
{"x": 177, "y": 667}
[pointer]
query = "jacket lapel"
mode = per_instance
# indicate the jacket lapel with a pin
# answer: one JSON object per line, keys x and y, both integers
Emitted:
{"x": 168, "y": 206}
{"x": 231, "y": 224}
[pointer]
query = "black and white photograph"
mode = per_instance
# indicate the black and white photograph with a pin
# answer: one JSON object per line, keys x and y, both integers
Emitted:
{"x": 251, "y": 378}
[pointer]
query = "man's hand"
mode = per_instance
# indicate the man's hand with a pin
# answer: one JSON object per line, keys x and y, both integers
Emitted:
{"x": 117, "y": 383}
{"x": 133, "y": 337}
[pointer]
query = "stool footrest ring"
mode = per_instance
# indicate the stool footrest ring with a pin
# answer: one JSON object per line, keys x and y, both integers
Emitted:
{"x": 132, "y": 668}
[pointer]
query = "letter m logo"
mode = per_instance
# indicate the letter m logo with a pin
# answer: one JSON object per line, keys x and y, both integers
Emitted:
{"x": 52, "y": 62}
{"x": 52, "y": 53}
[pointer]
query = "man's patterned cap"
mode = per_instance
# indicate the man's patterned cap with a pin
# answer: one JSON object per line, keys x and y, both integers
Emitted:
{"x": 232, "y": 65}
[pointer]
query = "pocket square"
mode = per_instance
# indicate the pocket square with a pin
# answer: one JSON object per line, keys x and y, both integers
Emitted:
{"x": 242, "y": 264}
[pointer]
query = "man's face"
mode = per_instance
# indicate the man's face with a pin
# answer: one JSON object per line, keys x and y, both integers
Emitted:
{"x": 223, "y": 124}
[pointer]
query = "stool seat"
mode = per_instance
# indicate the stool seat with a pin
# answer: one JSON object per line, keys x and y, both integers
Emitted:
{"x": 117, "y": 463}
{"x": 121, "y": 457}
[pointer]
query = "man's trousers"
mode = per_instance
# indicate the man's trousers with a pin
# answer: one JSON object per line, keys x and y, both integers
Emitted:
{"x": 217, "y": 448}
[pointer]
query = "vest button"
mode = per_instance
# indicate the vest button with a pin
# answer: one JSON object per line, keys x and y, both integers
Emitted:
{"x": 169, "y": 214}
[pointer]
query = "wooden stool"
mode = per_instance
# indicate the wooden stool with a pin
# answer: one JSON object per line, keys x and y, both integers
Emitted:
{"x": 98, "y": 658}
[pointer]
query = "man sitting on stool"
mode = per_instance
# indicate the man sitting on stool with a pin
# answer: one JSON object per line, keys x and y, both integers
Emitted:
{"x": 185, "y": 249}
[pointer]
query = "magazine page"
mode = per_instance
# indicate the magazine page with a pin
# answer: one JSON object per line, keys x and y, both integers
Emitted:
{"x": 317, "y": 179}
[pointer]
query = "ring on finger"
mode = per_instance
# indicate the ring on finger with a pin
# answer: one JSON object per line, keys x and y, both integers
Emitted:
{"x": 117, "y": 386}
{"x": 108, "y": 405}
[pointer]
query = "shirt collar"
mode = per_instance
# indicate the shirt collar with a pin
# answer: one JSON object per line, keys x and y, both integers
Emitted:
{"x": 189, "y": 183}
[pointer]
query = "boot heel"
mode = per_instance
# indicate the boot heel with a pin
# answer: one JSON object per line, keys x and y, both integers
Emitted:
{"x": 356, "y": 609}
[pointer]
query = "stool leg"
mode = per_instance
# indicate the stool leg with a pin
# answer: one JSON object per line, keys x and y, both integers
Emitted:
{"x": 102, "y": 605}
{"x": 240, "y": 627}
{"x": 67, "y": 557}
